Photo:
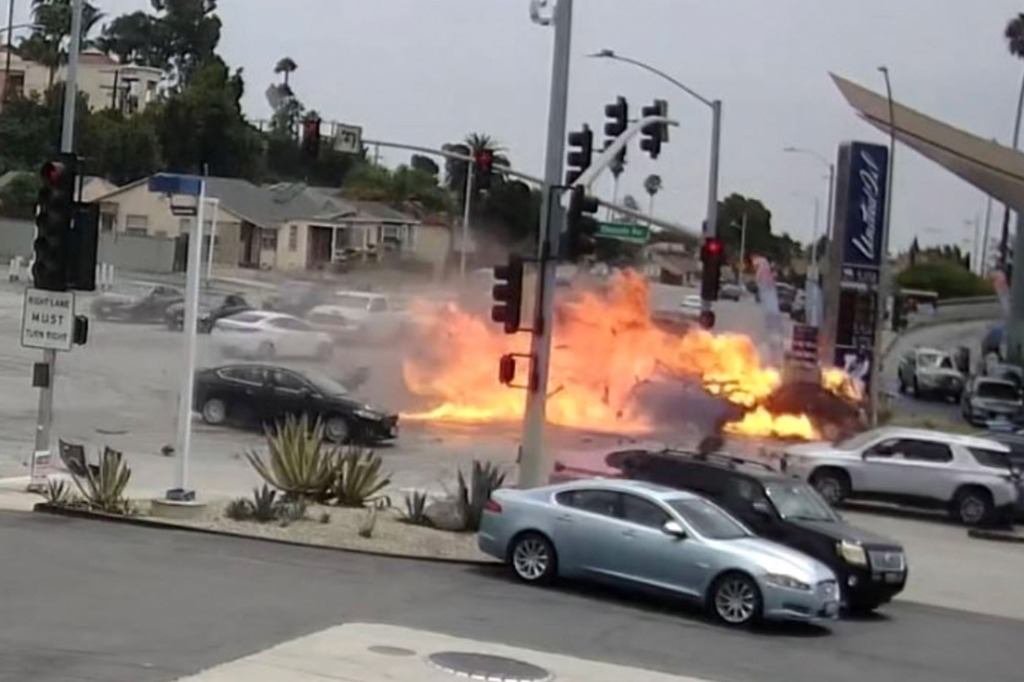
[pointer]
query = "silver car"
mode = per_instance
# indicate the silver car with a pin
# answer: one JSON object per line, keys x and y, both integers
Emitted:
{"x": 655, "y": 539}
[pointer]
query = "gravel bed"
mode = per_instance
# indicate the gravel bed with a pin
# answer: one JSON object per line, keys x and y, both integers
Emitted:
{"x": 390, "y": 534}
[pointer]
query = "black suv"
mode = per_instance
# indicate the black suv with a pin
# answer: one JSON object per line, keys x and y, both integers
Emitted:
{"x": 872, "y": 569}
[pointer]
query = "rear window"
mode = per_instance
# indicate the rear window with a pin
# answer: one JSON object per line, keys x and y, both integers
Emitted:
{"x": 997, "y": 390}
{"x": 991, "y": 458}
{"x": 358, "y": 302}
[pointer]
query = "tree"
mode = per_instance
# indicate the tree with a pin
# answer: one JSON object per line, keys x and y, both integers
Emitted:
{"x": 652, "y": 185}
{"x": 425, "y": 164}
{"x": 455, "y": 169}
{"x": 404, "y": 185}
{"x": 760, "y": 240}
{"x": 286, "y": 66}
{"x": 946, "y": 278}
{"x": 118, "y": 147}
{"x": 137, "y": 38}
{"x": 18, "y": 196}
{"x": 1014, "y": 35}
{"x": 46, "y": 43}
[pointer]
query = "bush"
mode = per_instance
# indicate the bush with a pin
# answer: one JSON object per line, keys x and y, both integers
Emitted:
{"x": 485, "y": 479}
{"x": 300, "y": 464}
{"x": 948, "y": 280}
{"x": 103, "y": 488}
{"x": 358, "y": 480}
{"x": 265, "y": 506}
{"x": 58, "y": 493}
{"x": 416, "y": 509}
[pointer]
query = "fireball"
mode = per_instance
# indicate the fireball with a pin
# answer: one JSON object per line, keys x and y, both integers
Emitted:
{"x": 604, "y": 346}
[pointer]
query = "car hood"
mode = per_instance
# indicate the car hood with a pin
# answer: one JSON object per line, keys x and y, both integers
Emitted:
{"x": 937, "y": 372}
{"x": 840, "y": 530}
{"x": 772, "y": 557}
{"x": 996, "y": 403}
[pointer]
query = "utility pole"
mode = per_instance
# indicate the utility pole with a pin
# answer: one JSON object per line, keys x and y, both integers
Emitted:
{"x": 874, "y": 388}
{"x": 743, "y": 249}
{"x": 532, "y": 465}
{"x": 44, "y": 419}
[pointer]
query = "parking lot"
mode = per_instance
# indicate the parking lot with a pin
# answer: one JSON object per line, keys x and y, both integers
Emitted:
{"x": 121, "y": 390}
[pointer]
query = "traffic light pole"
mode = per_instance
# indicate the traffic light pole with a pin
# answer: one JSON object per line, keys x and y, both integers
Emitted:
{"x": 44, "y": 419}
{"x": 711, "y": 226}
{"x": 467, "y": 207}
{"x": 532, "y": 464}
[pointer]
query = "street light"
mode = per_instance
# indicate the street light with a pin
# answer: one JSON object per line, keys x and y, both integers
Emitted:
{"x": 711, "y": 225}
{"x": 883, "y": 270}
{"x": 831, "y": 187}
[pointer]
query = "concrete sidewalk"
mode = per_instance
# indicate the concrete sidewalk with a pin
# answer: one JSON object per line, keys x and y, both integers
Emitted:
{"x": 371, "y": 653}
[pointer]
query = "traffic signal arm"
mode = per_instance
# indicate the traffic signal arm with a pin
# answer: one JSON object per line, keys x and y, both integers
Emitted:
{"x": 606, "y": 157}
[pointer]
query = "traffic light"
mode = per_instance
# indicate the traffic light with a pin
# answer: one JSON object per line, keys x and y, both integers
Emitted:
{"x": 56, "y": 210}
{"x": 484, "y": 167}
{"x": 84, "y": 247}
{"x": 707, "y": 319}
{"x": 580, "y": 226}
{"x": 655, "y": 134}
{"x": 581, "y": 153}
{"x": 507, "y": 369}
{"x": 508, "y": 294}
{"x": 618, "y": 122}
{"x": 712, "y": 256}
{"x": 310, "y": 139}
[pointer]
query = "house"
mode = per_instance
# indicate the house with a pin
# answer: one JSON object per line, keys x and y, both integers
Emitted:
{"x": 106, "y": 83}
{"x": 287, "y": 227}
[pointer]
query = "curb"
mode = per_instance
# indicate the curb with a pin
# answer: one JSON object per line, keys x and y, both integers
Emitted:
{"x": 54, "y": 510}
{"x": 1005, "y": 536}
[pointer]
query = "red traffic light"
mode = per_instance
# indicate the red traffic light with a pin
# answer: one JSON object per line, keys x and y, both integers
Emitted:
{"x": 484, "y": 159}
{"x": 707, "y": 319}
{"x": 713, "y": 247}
{"x": 53, "y": 172}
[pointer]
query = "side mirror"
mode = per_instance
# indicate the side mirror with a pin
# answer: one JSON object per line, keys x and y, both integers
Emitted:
{"x": 674, "y": 529}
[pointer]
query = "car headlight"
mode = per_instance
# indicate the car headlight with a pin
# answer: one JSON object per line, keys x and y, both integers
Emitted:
{"x": 369, "y": 414}
{"x": 786, "y": 581}
{"x": 852, "y": 553}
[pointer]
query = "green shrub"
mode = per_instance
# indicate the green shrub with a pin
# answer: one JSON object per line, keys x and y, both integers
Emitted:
{"x": 484, "y": 480}
{"x": 300, "y": 464}
{"x": 947, "y": 279}
{"x": 358, "y": 480}
{"x": 265, "y": 505}
{"x": 416, "y": 509}
{"x": 57, "y": 492}
{"x": 103, "y": 490}
{"x": 239, "y": 509}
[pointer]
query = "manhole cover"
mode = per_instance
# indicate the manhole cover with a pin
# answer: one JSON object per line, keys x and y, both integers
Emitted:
{"x": 385, "y": 650}
{"x": 487, "y": 667}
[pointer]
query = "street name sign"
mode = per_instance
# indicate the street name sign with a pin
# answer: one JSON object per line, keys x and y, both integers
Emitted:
{"x": 625, "y": 232}
{"x": 48, "y": 319}
{"x": 348, "y": 139}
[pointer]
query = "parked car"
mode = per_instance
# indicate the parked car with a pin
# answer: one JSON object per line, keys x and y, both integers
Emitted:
{"x": 871, "y": 569}
{"x": 265, "y": 335}
{"x": 149, "y": 307}
{"x": 212, "y": 307}
{"x": 986, "y": 399}
{"x": 915, "y": 467}
{"x": 655, "y": 539}
{"x": 334, "y": 321}
{"x": 295, "y": 298}
{"x": 378, "y": 318}
{"x": 786, "y": 294}
{"x": 262, "y": 394}
{"x": 730, "y": 292}
{"x": 930, "y": 372}
{"x": 1014, "y": 459}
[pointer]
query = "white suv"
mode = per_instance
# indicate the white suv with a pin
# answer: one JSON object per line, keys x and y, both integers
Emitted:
{"x": 969, "y": 476}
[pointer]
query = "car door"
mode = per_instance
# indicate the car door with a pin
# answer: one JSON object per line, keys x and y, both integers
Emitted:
{"x": 288, "y": 340}
{"x": 885, "y": 470}
{"x": 923, "y": 470}
{"x": 652, "y": 558}
{"x": 585, "y": 531}
{"x": 290, "y": 395}
{"x": 243, "y": 389}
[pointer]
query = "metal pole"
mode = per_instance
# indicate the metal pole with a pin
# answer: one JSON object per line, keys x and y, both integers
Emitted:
{"x": 711, "y": 226}
{"x": 831, "y": 200}
{"x": 1004, "y": 242}
{"x": 816, "y": 231}
{"x": 883, "y": 273}
{"x": 44, "y": 418}
{"x": 467, "y": 207}
{"x": 9, "y": 47}
{"x": 985, "y": 239}
{"x": 195, "y": 265}
{"x": 533, "y": 466}
{"x": 215, "y": 203}
{"x": 743, "y": 248}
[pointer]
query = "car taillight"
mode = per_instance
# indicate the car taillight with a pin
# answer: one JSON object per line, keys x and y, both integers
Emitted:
{"x": 492, "y": 506}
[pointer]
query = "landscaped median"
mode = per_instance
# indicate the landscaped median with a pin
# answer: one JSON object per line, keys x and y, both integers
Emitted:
{"x": 313, "y": 494}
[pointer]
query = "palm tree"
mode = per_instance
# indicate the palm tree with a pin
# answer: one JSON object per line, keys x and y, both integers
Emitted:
{"x": 46, "y": 44}
{"x": 286, "y": 66}
{"x": 652, "y": 185}
{"x": 455, "y": 170}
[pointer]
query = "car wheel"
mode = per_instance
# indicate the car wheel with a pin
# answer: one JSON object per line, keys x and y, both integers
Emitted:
{"x": 973, "y": 506}
{"x": 832, "y": 484}
{"x": 736, "y": 600}
{"x": 916, "y": 389}
{"x": 324, "y": 352}
{"x": 215, "y": 412}
{"x": 533, "y": 558}
{"x": 337, "y": 430}
{"x": 266, "y": 351}
{"x": 863, "y": 608}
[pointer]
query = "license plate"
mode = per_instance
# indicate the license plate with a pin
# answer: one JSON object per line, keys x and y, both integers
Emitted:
{"x": 893, "y": 577}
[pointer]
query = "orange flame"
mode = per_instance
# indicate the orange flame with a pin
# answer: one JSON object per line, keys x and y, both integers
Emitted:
{"x": 605, "y": 345}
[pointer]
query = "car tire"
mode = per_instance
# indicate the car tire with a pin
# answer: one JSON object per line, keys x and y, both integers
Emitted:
{"x": 324, "y": 352}
{"x": 533, "y": 559}
{"x": 735, "y": 600}
{"x": 215, "y": 412}
{"x": 337, "y": 430}
{"x": 832, "y": 484}
{"x": 266, "y": 351}
{"x": 915, "y": 388}
{"x": 864, "y": 608}
{"x": 973, "y": 506}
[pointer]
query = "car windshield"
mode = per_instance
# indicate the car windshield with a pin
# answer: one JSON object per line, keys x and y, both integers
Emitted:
{"x": 349, "y": 301}
{"x": 997, "y": 390}
{"x": 326, "y": 385}
{"x": 799, "y": 502}
{"x": 708, "y": 520}
{"x": 935, "y": 361}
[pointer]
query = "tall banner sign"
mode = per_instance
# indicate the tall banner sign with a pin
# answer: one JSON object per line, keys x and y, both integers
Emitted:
{"x": 859, "y": 222}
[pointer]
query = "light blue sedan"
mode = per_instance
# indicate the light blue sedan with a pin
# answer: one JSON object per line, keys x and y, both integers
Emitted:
{"x": 655, "y": 539}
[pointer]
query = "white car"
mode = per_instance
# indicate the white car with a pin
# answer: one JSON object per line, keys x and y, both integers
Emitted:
{"x": 968, "y": 476}
{"x": 264, "y": 334}
{"x": 378, "y": 318}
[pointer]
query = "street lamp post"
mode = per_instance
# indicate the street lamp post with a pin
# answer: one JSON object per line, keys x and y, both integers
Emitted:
{"x": 831, "y": 184}
{"x": 883, "y": 271}
{"x": 711, "y": 225}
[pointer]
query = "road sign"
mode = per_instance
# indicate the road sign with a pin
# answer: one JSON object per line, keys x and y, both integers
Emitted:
{"x": 348, "y": 139}
{"x": 624, "y": 232}
{"x": 48, "y": 319}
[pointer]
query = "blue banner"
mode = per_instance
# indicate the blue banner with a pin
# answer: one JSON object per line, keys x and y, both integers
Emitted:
{"x": 861, "y": 196}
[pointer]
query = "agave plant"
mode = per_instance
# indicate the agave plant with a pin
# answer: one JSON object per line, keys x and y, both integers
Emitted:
{"x": 358, "y": 480}
{"x": 300, "y": 463}
{"x": 368, "y": 523}
{"x": 57, "y": 492}
{"x": 103, "y": 487}
{"x": 484, "y": 480}
{"x": 265, "y": 505}
{"x": 416, "y": 508}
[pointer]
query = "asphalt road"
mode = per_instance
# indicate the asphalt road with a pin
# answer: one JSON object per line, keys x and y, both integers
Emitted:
{"x": 84, "y": 600}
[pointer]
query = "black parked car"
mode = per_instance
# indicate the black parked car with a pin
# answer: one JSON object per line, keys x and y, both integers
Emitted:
{"x": 211, "y": 308}
{"x": 871, "y": 569}
{"x": 149, "y": 307}
{"x": 264, "y": 394}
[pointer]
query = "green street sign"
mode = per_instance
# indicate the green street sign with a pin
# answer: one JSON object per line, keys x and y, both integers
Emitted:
{"x": 625, "y": 232}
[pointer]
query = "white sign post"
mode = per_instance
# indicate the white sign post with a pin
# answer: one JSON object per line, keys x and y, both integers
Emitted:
{"x": 48, "y": 319}
{"x": 348, "y": 139}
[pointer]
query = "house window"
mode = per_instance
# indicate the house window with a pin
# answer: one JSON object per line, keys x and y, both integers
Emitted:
{"x": 107, "y": 222}
{"x": 184, "y": 225}
{"x": 268, "y": 239}
{"x": 293, "y": 238}
{"x": 136, "y": 224}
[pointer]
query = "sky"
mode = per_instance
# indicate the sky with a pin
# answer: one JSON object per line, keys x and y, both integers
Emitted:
{"x": 428, "y": 72}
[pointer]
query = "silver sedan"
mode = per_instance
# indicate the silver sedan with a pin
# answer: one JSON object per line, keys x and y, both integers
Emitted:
{"x": 655, "y": 539}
